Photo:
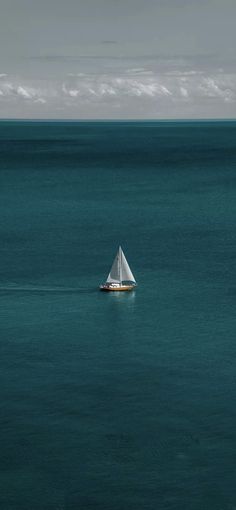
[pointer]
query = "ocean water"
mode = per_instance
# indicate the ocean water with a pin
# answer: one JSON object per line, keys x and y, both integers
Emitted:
{"x": 108, "y": 401}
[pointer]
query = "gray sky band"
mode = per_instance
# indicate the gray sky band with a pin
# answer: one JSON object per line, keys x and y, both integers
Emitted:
{"x": 118, "y": 59}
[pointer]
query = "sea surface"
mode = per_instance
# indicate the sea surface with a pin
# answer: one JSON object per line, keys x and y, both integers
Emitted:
{"x": 118, "y": 401}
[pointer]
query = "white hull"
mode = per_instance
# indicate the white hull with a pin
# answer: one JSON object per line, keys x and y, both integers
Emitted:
{"x": 117, "y": 288}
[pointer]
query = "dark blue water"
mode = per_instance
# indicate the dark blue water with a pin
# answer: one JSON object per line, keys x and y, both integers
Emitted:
{"x": 116, "y": 402}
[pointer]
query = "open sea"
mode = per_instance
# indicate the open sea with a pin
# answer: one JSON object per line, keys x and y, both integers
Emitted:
{"x": 118, "y": 401}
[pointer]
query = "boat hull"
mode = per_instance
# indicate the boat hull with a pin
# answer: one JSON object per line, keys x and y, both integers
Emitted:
{"x": 121, "y": 288}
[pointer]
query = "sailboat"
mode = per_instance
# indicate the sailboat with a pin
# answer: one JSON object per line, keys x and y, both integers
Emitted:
{"x": 120, "y": 276}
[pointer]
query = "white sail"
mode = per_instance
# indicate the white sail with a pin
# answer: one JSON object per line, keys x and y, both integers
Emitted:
{"x": 120, "y": 270}
{"x": 114, "y": 275}
{"x": 126, "y": 273}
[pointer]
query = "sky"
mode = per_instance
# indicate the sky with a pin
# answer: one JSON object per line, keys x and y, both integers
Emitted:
{"x": 117, "y": 59}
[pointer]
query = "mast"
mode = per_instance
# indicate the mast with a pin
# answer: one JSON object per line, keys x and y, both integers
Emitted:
{"x": 120, "y": 267}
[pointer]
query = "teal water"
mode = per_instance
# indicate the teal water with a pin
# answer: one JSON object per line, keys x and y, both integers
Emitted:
{"x": 116, "y": 402}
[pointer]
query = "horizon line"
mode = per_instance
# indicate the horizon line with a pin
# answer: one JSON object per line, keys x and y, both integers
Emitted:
{"x": 51, "y": 119}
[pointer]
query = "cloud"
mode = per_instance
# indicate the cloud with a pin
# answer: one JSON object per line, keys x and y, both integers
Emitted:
{"x": 73, "y": 93}
{"x": 107, "y": 87}
{"x": 14, "y": 91}
{"x": 23, "y": 92}
{"x": 40, "y": 100}
{"x": 139, "y": 71}
{"x": 132, "y": 92}
{"x": 211, "y": 88}
{"x": 184, "y": 92}
{"x": 183, "y": 74}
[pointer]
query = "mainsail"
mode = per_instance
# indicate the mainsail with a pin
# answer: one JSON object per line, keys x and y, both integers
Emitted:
{"x": 120, "y": 270}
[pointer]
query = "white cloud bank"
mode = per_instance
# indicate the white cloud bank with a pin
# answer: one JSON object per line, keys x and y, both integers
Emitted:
{"x": 135, "y": 93}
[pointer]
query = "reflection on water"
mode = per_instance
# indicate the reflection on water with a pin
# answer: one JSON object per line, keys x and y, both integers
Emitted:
{"x": 123, "y": 296}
